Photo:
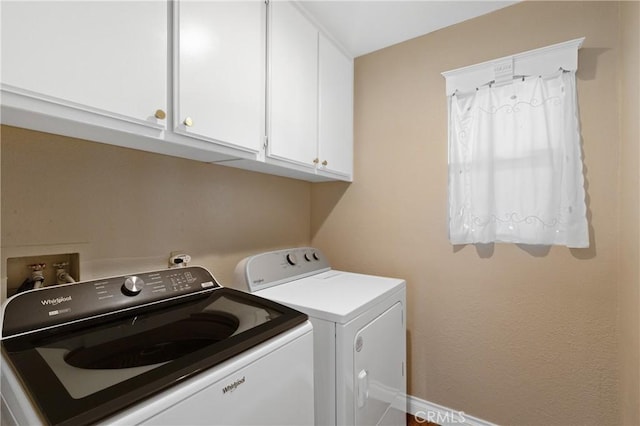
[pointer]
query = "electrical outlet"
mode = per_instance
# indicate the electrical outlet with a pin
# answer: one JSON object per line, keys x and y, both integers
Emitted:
{"x": 178, "y": 259}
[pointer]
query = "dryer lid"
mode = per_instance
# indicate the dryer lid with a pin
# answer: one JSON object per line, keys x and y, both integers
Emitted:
{"x": 334, "y": 295}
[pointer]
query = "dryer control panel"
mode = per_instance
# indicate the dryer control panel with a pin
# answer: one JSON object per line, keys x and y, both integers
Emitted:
{"x": 49, "y": 306}
{"x": 277, "y": 267}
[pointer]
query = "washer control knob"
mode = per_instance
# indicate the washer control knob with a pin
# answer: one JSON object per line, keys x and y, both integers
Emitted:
{"x": 132, "y": 286}
{"x": 291, "y": 259}
{"x": 315, "y": 256}
{"x": 307, "y": 257}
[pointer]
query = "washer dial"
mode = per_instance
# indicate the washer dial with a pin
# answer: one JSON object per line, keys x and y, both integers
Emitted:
{"x": 132, "y": 285}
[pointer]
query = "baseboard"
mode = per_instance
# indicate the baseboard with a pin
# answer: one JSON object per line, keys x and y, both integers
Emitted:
{"x": 443, "y": 416}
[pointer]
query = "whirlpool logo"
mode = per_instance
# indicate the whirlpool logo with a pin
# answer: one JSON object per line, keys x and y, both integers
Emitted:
{"x": 56, "y": 301}
{"x": 233, "y": 386}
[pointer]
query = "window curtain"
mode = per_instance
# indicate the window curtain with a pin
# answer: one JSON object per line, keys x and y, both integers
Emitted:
{"x": 515, "y": 164}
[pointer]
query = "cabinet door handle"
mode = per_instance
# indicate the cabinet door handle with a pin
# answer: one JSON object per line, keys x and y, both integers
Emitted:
{"x": 316, "y": 161}
{"x": 160, "y": 114}
{"x": 325, "y": 162}
{"x": 188, "y": 122}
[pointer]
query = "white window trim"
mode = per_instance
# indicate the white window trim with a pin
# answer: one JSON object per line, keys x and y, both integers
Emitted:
{"x": 542, "y": 61}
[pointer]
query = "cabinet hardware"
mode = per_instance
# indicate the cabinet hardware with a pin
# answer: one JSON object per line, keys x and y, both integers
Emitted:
{"x": 188, "y": 122}
{"x": 316, "y": 161}
{"x": 160, "y": 114}
{"x": 325, "y": 162}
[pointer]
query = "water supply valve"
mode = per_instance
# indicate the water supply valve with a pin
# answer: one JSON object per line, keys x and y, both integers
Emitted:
{"x": 62, "y": 276}
{"x": 37, "y": 274}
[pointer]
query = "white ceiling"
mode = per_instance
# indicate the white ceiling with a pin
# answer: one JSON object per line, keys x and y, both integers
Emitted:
{"x": 364, "y": 26}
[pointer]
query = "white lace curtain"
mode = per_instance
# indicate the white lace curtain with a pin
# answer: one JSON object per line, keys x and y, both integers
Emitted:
{"x": 515, "y": 164}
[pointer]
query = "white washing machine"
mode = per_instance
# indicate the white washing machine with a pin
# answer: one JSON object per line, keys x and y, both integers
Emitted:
{"x": 359, "y": 332}
{"x": 169, "y": 347}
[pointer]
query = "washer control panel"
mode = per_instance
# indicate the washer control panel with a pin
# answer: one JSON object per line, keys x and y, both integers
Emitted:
{"x": 277, "y": 267}
{"x": 55, "y": 305}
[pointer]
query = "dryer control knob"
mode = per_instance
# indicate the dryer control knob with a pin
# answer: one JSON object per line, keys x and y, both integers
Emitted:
{"x": 291, "y": 259}
{"x": 132, "y": 286}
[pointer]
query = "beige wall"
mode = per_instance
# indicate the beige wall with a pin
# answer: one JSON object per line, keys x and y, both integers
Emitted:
{"x": 629, "y": 280}
{"x": 125, "y": 210}
{"x": 509, "y": 334}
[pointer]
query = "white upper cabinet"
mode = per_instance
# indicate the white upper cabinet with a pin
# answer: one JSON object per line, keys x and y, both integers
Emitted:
{"x": 310, "y": 96}
{"x": 293, "y": 89}
{"x": 335, "y": 123}
{"x": 206, "y": 80}
{"x": 108, "y": 57}
{"x": 220, "y": 71}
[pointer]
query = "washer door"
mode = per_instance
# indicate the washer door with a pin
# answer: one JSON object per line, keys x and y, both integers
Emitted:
{"x": 379, "y": 353}
{"x": 157, "y": 345}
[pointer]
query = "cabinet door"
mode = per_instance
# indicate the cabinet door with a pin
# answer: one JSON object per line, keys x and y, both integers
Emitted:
{"x": 335, "y": 131}
{"x": 293, "y": 93}
{"x": 221, "y": 71}
{"x": 102, "y": 56}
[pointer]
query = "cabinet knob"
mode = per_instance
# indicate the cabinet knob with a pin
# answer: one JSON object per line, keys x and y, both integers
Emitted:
{"x": 325, "y": 162}
{"x": 188, "y": 122}
{"x": 160, "y": 114}
{"x": 316, "y": 161}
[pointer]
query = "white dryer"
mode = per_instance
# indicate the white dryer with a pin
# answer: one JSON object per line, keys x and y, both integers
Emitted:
{"x": 359, "y": 332}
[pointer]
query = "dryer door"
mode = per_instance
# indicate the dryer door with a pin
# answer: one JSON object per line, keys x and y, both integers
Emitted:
{"x": 379, "y": 355}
